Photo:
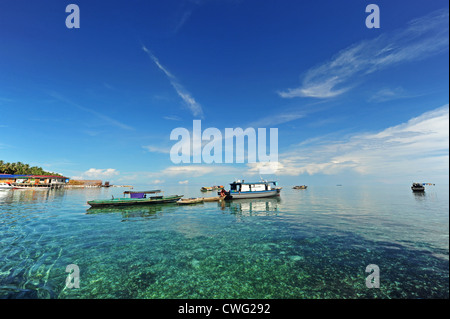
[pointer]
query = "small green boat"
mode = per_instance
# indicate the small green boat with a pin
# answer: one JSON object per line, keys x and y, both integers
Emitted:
{"x": 136, "y": 198}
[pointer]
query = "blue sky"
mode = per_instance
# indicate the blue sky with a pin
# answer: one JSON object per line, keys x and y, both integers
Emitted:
{"x": 352, "y": 105}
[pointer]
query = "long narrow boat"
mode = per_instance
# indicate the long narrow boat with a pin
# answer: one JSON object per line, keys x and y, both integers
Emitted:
{"x": 189, "y": 201}
{"x": 213, "y": 199}
{"x": 136, "y": 198}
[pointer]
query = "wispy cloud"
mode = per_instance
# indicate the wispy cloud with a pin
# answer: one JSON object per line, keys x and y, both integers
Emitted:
{"x": 99, "y": 115}
{"x": 422, "y": 38}
{"x": 156, "y": 149}
{"x": 193, "y": 106}
{"x": 185, "y": 11}
{"x": 183, "y": 19}
{"x": 97, "y": 173}
{"x": 289, "y": 114}
{"x": 389, "y": 94}
{"x": 172, "y": 118}
{"x": 417, "y": 147}
{"x": 277, "y": 119}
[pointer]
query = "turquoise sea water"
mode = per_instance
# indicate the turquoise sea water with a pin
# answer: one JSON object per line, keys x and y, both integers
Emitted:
{"x": 313, "y": 243}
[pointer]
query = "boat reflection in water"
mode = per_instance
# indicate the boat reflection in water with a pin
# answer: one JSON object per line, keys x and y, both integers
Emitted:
{"x": 252, "y": 207}
{"x": 419, "y": 195}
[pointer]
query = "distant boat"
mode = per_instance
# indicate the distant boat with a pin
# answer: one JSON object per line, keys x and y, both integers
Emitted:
{"x": 300, "y": 187}
{"x": 189, "y": 201}
{"x": 339, "y": 185}
{"x": 210, "y": 188}
{"x": 240, "y": 189}
{"x": 417, "y": 187}
{"x": 136, "y": 198}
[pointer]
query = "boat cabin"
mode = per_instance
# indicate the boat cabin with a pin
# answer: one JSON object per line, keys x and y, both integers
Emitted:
{"x": 143, "y": 194}
{"x": 252, "y": 187}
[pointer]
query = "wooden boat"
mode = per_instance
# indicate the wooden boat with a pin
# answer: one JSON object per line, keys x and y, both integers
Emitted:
{"x": 212, "y": 188}
{"x": 189, "y": 201}
{"x": 136, "y": 198}
{"x": 252, "y": 190}
{"x": 418, "y": 187}
{"x": 300, "y": 187}
{"x": 212, "y": 199}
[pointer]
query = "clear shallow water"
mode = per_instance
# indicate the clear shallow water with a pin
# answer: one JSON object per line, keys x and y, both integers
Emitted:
{"x": 313, "y": 243}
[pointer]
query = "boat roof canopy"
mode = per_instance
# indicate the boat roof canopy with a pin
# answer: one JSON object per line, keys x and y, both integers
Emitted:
{"x": 263, "y": 182}
{"x": 143, "y": 192}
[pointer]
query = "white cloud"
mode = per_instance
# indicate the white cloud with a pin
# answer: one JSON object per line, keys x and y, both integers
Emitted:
{"x": 183, "y": 182}
{"x": 419, "y": 146}
{"x": 97, "y": 173}
{"x": 195, "y": 108}
{"x": 421, "y": 39}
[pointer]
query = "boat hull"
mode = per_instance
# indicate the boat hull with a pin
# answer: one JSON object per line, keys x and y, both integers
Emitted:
{"x": 190, "y": 201}
{"x": 133, "y": 201}
{"x": 260, "y": 194}
{"x": 212, "y": 199}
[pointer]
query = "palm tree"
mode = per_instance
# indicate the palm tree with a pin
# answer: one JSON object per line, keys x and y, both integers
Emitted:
{"x": 20, "y": 168}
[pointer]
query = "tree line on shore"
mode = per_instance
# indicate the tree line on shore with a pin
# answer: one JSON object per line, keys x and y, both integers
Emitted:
{"x": 20, "y": 168}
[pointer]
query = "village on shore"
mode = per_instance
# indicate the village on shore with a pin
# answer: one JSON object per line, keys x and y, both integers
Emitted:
{"x": 19, "y": 175}
{"x": 50, "y": 181}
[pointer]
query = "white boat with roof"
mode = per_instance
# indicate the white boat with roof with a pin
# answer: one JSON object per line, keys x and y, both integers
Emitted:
{"x": 243, "y": 189}
{"x": 6, "y": 186}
